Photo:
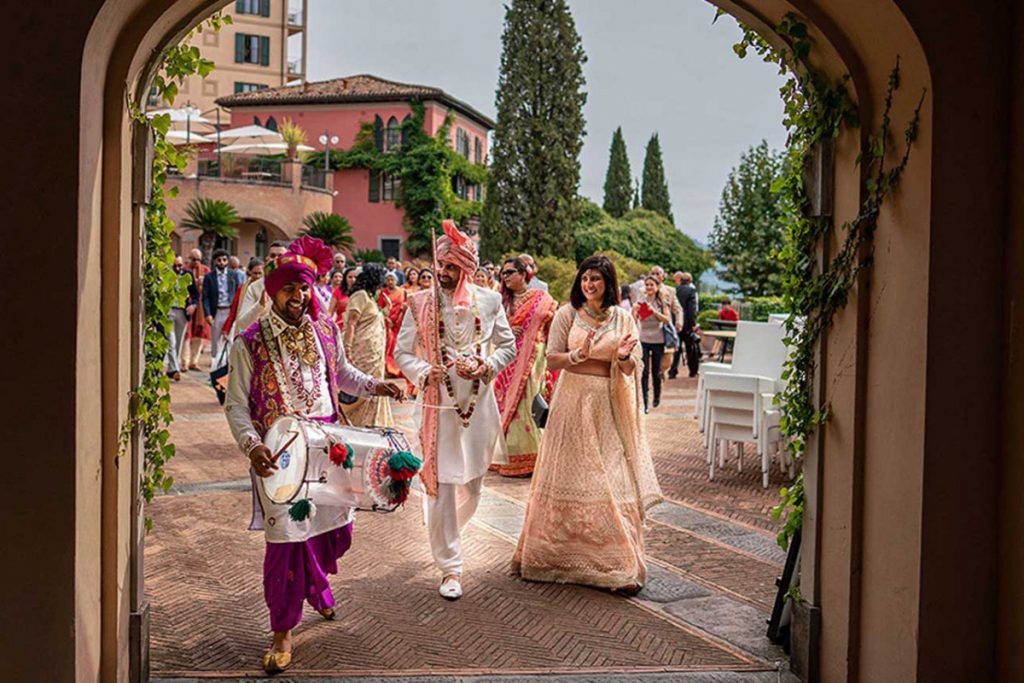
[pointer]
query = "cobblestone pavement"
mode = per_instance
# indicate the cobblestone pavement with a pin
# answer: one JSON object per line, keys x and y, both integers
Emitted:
{"x": 712, "y": 565}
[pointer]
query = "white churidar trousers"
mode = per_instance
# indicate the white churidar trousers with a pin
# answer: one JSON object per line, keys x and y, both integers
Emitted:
{"x": 446, "y": 516}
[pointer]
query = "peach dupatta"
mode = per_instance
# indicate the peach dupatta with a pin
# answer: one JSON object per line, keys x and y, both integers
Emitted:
{"x": 424, "y": 314}
{"x": 530, "y": 323}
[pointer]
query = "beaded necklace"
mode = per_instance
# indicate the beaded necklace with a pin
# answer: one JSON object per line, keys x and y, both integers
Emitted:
{"x": 446, "y": 359}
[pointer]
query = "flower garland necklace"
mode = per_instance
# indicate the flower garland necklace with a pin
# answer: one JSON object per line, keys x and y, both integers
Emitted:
{"x": 446, "y": 359}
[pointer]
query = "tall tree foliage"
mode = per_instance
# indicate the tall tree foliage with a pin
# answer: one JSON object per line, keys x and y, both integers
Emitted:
{"x": 749, "y": 229}
{"x": 655, "y": 189}
{"x": 618, "y": 187}
{"x": 531, "y": 199}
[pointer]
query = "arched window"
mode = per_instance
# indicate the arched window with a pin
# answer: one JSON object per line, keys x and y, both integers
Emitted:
{"x": 272, "y": 123}
{"x": 394, "y": 134}
{"x": 378, "y": 133}
{"x": 256, "y": 121}
{"x": 477, "y": 150}
{"x": 405, "y": 135}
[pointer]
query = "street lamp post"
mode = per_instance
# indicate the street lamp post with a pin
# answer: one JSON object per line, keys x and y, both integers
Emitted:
{"x": 327, "y": 140}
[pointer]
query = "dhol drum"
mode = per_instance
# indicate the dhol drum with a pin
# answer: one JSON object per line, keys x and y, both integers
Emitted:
{"x": 332, "y": 464}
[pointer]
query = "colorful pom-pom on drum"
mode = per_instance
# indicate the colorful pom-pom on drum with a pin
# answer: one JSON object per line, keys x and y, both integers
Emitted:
{"x": 342, "y": 455}
{"x": 403, "y": 466}
{"x": 302, "y": 510}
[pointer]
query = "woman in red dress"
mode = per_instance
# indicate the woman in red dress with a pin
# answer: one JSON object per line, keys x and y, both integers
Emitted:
{"x": 339, "y": 297}
{"x": 392, "y": 302}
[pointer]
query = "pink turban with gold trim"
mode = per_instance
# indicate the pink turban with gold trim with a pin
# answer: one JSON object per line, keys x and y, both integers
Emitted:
{"x": 456, "y": 247}
{"x": 305, "y": 259}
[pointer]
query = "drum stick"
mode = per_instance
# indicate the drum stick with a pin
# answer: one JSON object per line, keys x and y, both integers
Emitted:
{"x": 284, "y": 448}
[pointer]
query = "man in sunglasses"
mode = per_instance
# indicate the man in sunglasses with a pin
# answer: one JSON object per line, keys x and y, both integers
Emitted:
{"x": 179, "y": 317}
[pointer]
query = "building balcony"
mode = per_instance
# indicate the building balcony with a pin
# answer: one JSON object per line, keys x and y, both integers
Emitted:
{"x": 272, "y": 197}
{"x": 295, "y": 68}
{"x": 295, "y": 23}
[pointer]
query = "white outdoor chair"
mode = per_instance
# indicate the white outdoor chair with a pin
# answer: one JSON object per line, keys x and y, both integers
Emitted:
{"x": 735, "y": 406}
{"x": 758, "y": 351}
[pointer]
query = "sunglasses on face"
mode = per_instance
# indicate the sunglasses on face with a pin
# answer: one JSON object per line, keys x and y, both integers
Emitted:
{"x": 509, "y": 273}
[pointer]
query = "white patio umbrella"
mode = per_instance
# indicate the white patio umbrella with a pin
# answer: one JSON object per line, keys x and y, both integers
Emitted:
{"x": 248, "y": 134}
{"x": 183, "y": 115}
{"x": 261, "y": 148}
{"x": 181, "y": 137}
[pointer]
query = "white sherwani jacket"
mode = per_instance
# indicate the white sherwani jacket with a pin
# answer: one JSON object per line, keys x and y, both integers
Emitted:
{"x": 463, "y": 454}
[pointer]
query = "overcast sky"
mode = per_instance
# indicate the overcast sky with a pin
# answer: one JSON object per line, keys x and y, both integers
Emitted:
{"x": 653, "y": 66}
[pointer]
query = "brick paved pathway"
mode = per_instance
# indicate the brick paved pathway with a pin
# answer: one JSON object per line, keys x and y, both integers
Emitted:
{"x": 711, "y": 551}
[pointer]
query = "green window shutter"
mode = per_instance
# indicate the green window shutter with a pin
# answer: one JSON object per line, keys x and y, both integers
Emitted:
{"x": 239, "y": 48}
{"x": 238, "y": 87}
{"x": 265, "y": 8}
{"x": 378, "y": 133}
{"x": 264, "y": 51}
{"x": 374, "y": 186}
{"x": 240, "y": 6}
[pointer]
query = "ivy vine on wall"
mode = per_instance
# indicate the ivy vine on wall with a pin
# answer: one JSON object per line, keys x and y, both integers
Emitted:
{"x": 149, "y": 404}
{"x": 816, "y": 110}
{"x": 426, "y": 165}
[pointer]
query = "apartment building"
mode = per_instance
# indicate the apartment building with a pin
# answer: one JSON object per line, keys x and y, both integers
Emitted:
{"x": 263, "y": 47}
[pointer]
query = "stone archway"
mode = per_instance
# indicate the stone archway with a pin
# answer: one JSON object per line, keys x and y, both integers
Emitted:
{"x": 893, "y": 558}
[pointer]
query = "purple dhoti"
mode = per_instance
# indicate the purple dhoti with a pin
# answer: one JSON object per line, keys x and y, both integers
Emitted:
{"x": 293, "y": 572}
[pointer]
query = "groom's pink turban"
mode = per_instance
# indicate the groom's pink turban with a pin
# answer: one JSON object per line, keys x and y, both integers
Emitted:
{"x": 455, "y": 247}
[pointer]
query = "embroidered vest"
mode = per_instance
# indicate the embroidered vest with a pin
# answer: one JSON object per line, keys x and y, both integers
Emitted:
{"x": 267, "y": 398}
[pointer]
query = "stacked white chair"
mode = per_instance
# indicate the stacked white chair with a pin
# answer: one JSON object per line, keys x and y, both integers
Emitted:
{"x": 735, "y": 401}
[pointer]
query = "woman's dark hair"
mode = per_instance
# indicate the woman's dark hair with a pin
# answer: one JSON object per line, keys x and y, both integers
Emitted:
{"x": 428, "y": 271}
{"x": 371, "y": 279}
{"x": 606, "y": 268}
{"x": 344, "y": 280}
{"x": 254, "y": 262}
{"x": 624, "y": 293}
{"x": 520, "y": 265}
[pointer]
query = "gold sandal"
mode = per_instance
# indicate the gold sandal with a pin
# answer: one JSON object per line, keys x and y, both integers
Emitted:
{"x": 276, "y": 662}
{"x": 327, "y": 613}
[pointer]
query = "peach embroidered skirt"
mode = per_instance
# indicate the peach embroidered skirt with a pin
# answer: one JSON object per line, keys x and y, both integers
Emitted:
{"x": 583, "y": 521}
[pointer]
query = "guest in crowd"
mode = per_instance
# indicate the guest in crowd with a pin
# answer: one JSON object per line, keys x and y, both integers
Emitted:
{"x": 337, "y": 279}
{"x": 594, "y": 479}
{"x": 179, "y": 316}
{"x": 534, "y": 281}
{"x": 366, "y": 344}
{"x": 686, "y": 294}
{"x": 339, "y": 261}
{"x": 322, "y": 290}
{"x": 219, "y": 286}
{"x": 339, "y": 298}
{"x": 651, "y": 313}
{"x": 481, "y": 279}
{"x": 529, "y": 313}
{"x": 254, "y": 273}
{"x": 412, "y": 277}
{"x": 235, "y": 266}
{"x": 395, "y": 266}
{"x": 393, "y": 300}
{"x": 727, "y": 312}
{"x": 675, "y": 311}
{"x": 426, "y": 279}
{"x": 198, "y": 330}
{"x": 626, "y": 297}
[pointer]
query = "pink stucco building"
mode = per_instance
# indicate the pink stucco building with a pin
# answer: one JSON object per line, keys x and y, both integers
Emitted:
{"x": 338, "y": 108}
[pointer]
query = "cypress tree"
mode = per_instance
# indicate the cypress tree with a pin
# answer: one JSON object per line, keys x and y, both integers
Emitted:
{"x": 531, "y": 200}
{"x": 636, "y": 193}
{"x": 655, "y": 190}
{"x": 618, "y": 188}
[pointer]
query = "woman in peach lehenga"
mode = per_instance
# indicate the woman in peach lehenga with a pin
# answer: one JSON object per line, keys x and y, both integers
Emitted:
{"x": 594, "y": 480}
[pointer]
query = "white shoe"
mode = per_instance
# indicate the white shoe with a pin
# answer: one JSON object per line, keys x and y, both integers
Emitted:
{"x": 451, "y": 588}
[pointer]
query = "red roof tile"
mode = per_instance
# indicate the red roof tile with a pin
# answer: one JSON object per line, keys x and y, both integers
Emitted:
{"x": 360, "y": 88}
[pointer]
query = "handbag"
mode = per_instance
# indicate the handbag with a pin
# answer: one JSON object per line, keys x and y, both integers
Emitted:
{"x": 539, "y": 409}
{"x": 671, "y": 336}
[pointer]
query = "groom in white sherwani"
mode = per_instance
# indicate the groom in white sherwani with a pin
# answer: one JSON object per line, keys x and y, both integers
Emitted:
{"x": 441, "y": 348}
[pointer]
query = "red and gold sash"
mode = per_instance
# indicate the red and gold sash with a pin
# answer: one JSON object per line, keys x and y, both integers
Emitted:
{"x": 530, "y": 322}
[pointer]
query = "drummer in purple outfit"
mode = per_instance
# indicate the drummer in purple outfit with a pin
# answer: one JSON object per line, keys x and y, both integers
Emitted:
{"x": 291, "y": 362}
